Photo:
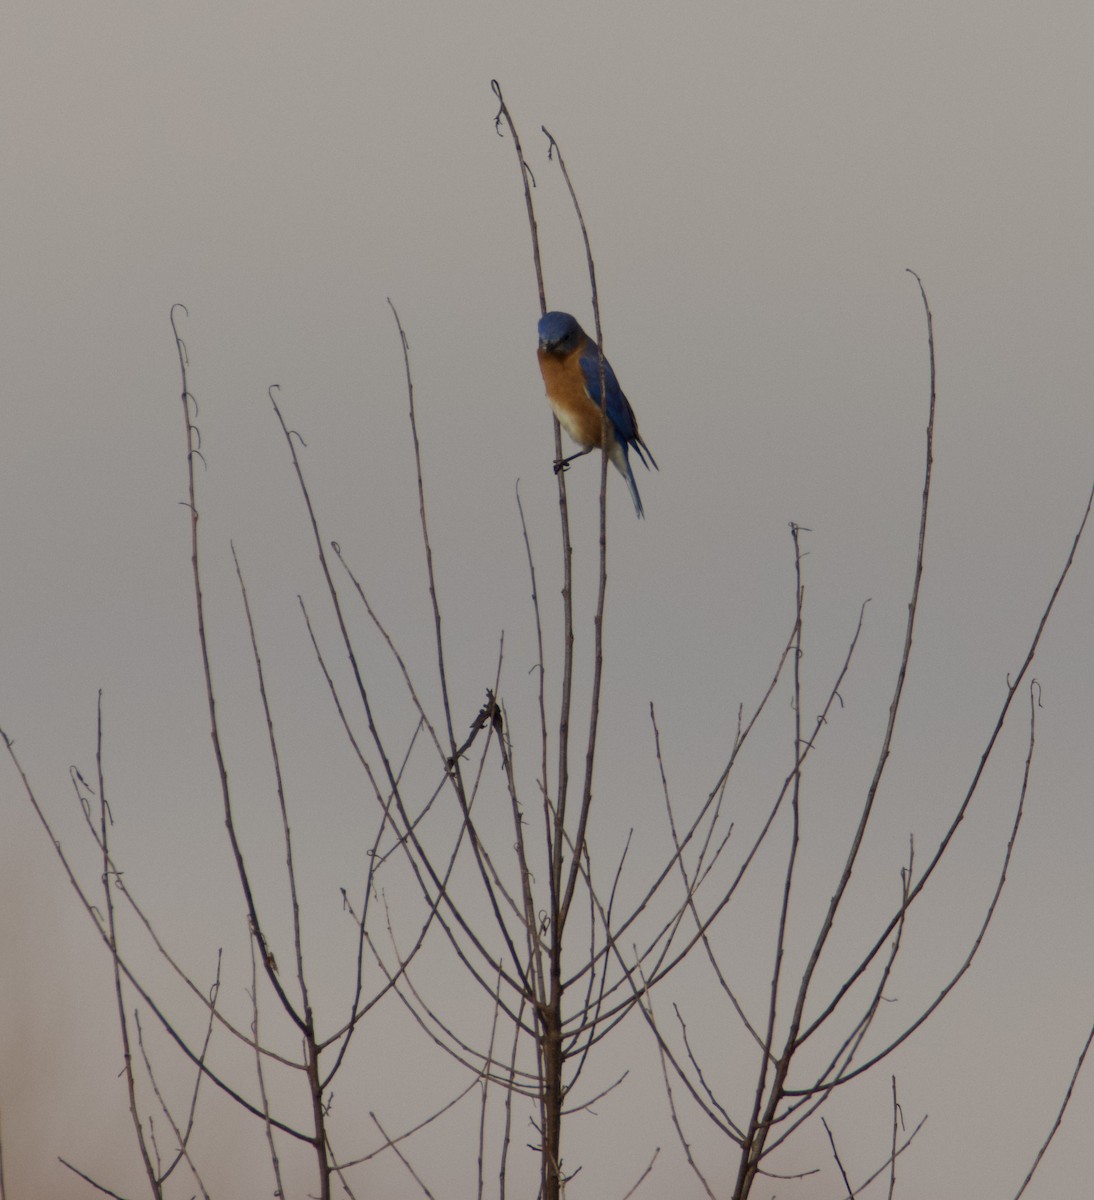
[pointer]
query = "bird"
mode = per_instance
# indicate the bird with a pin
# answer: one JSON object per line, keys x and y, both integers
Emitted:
{"x": 569, "y": 361}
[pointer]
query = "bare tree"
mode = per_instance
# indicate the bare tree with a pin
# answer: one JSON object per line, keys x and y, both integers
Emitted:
{"x": 557, "y": 938}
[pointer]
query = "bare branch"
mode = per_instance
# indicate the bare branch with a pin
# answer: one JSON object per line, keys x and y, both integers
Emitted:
{"x": 1059, "y": 1115}
{"x": 401, "y": 1157}
{"x": 839, "y": 1163}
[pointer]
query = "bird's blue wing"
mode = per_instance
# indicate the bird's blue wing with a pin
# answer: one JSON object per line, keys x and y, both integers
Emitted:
{"x": 619, "y": 410}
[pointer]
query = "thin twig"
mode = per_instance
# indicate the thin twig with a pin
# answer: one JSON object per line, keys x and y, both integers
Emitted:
{"x": 180, "y": 1138}
{"x": 130, "y": 1082}
{"x": 275, "y": 1161}
{"x": 268, "y": 960}
{"x": 898, "y": 1123}
{"x": 275, "y": 759}
{"x": 1060, "y": 1114}
{"x": 402, "y": 1158}
{"x": 835, "y": 1155}
{"x": 87, "y": 1179}
{"x": 645, "y": 1174}
{"x": 647, "y": 1007}
{"x": 390, "y": 1143}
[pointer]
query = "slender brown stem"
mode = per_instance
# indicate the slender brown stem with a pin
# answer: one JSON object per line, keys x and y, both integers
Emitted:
{"x": 154, "y": 1181}
{"x": 193, "y": 452}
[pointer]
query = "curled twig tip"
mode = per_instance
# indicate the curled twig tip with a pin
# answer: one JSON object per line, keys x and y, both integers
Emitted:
{"x": 495, "y": 87}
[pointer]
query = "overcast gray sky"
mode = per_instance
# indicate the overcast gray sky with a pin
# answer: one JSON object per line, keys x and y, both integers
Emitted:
{"x": 756, "y": 177}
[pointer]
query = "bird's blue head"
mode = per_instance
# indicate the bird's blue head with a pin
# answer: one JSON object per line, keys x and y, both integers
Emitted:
{"x": 559, "y": 333}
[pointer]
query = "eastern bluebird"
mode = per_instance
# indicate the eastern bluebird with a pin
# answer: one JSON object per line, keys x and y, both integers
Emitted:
{"x": 570, "y": 363}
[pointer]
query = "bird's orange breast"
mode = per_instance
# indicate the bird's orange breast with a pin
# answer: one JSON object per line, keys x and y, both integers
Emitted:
{"x": 565, "y": 384}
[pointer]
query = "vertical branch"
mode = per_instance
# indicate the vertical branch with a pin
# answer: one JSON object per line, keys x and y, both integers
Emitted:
{"x": 526, "y": 176}
{"x": 280, "y": 787}
{"x": 549, "y": 1013}
{"x": 767, "y": 1049}
{"x": 540, "y": 664}
{"x": 902, "y": 672}
{"x": 311, "y": 1043}
{"x": 598, "y": 620}
{"x": 275, "y": 1161}
{"x": 510, "y": 1089}
{"x": 485, "y": 1086}
{"x": 898, "y": 1118}
{"x": 108, "y": 876}
{"x": 562, "y": 893}
{"x": 193, "y": 450}
{"x": 535, "y": 975}
{"x": 751, "y": 1161}
{"x": 428, "y": 548}
{"x": 555, "y": 841}
{"x": 795, "y": 796}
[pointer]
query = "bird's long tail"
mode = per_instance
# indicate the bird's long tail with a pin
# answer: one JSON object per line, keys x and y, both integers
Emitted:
{"x": 623, "y": 464}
